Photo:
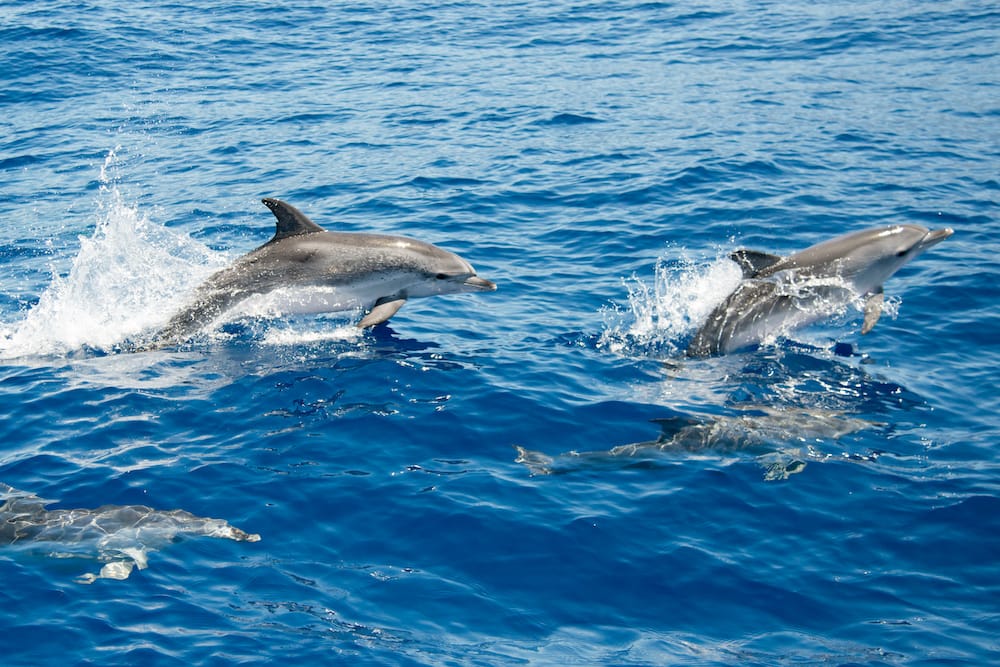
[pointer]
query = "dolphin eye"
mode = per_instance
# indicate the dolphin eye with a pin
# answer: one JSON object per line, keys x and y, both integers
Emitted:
{"x": 901, "y": 253}
{"x": 442, "y": 276}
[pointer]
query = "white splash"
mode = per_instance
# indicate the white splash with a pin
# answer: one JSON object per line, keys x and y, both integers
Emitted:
{"x": 659, "y": 316}
{"x": 289, "y": 337}
{"x": 127, "y": 278}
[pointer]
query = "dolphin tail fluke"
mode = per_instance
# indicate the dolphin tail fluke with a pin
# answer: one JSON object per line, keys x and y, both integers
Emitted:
{"x": 873, "y": 310}
{"x": 384, "y": 308}
{"x": 22, "y": 501}
{"x": 538, "y": 463}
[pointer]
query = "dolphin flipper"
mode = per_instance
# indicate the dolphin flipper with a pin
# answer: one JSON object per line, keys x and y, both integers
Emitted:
{"x": 384, "y": 308}
{"x": 873, "y": 310}
{"x": 753, "y": 262}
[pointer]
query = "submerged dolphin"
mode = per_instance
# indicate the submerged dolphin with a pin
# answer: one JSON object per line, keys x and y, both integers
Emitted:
{"x": 778, "y": 294}
{"x": 307, "y": 269}
{"x": 773, "y": 435}
{"x": 120, "y": 536}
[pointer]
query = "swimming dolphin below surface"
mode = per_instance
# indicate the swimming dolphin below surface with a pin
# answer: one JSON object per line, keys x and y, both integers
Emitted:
{"x": 782, "y": 441}
{"x": 306, "y": 269}
{"x": 778, "y": 294}
{"x": 120, "y": 536}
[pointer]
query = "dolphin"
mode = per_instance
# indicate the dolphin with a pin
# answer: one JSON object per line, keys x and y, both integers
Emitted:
{"x": 307, "y": 269}
{"x": 773, "y": 435}
{"x": 121, "y": 535}
{"x": 778, "y": 294}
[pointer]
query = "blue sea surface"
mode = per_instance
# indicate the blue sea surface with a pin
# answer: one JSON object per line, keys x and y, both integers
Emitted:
{"x": 538, "y": 475}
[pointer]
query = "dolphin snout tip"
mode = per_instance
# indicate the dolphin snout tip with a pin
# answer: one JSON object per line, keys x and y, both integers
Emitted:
{"x": 481, "y": 284}
{"x": 938, "y": 235}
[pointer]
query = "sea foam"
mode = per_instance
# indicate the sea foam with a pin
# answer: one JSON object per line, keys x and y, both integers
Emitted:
{"x": 128, "y": 277}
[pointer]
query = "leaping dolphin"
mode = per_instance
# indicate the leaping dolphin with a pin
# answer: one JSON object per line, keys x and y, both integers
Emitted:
{"x": 310, "y": 270}
{"x": 779, "y": 294}
{"x": 120, "y": 536}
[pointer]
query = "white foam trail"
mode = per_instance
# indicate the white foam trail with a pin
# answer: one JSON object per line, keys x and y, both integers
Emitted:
{"x": 291, "y": 337}
{"x": 659, "y": 316}
{"x": 127, "y": 278}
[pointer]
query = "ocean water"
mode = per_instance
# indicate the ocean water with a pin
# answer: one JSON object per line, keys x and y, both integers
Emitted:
{"x": 533, "y": 476}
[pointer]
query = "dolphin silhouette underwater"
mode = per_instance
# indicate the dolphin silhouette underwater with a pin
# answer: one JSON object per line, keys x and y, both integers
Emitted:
{"x": 120, "y": 536}
{"x": 306, "y": 269}
{"x": 781, "y": 441}
{"x": 778, "y": 294}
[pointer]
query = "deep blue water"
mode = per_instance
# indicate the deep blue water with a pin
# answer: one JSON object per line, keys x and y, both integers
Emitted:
{"x": 598, "y": 161}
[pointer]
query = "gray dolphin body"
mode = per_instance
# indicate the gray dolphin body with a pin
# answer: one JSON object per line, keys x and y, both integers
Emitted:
{"x": 120, "y": 536}
{"x": 307, "y": 269}
{"x": 774, "y": 436}
{"x": 779, "y": 294}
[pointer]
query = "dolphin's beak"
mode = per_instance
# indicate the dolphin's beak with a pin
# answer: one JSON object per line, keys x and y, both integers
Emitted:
{"x": 480, "y": 284}
{"x": 934, "y": 237}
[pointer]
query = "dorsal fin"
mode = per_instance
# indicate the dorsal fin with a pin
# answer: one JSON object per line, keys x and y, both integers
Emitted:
{"x": 753, "y": 261}
{"x": 291, "y": 221}
{"x": 671, "y": 426}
